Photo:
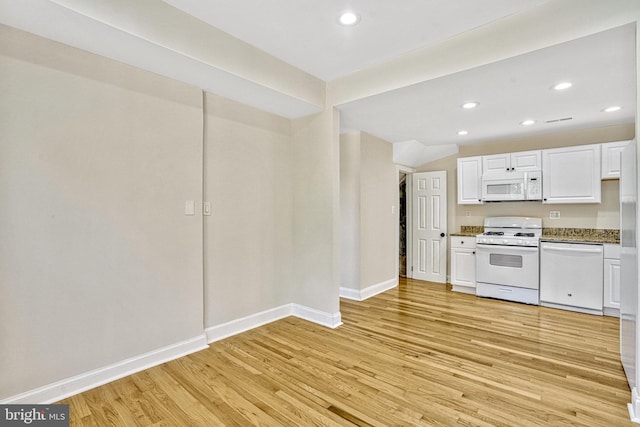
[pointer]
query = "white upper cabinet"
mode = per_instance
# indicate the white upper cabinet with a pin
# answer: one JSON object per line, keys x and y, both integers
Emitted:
{"x": 496, "y": 163}
{"x": 526, "y": 160}
{"x": 571, "y": 174}
{"x": 611, "y": 152}
{"x": 507, "y": 162}
{"x": 469, "y": 180}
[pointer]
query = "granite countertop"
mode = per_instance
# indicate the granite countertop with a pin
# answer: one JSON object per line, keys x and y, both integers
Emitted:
{"x": 469, "y": 231}
{"x": 569, "y": 235}
{"x": 580, "y": 235}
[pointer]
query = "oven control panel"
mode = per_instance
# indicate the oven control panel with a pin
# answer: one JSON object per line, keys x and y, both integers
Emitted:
{"x": 508, "y": 241}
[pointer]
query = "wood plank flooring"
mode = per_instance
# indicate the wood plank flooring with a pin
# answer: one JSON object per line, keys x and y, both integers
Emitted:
{"x": 417, "y": 355}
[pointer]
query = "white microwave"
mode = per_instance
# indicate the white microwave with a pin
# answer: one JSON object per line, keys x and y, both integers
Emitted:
{"x": 511, "y": 186}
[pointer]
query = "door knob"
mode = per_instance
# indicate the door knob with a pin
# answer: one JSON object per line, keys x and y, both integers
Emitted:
{"x": 441, "y": 234}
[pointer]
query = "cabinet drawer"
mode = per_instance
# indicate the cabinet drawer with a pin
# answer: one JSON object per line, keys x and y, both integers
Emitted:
{"x": 463, "y": 242}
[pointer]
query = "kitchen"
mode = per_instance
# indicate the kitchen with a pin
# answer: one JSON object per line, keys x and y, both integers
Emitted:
{"x": 589, "y": 164}
{"x": 573, "y": 245}
{"x": 603, "y": 215}
{"x": 309, "y": 223}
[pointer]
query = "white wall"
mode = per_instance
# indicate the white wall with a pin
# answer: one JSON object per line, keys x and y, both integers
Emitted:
{"x": 316, "y": 212}
{"x": 350, "y": 210}
{"x": 249, "y": 235}
{"x": 98, "y": 262}
{"x": 100, "y": 266}
{"x": 369, "y": 223}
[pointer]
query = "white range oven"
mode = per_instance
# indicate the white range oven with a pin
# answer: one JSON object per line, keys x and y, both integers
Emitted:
{"x": 507, "y": 259}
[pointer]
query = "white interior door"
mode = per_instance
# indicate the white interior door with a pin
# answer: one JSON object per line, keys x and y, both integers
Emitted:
{"x": 430, "y": 226}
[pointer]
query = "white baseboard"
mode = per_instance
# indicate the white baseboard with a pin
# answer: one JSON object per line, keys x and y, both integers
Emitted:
{"x": 77, "y": 384}
{"x": 243, "y": 324}
{"x": 609, "y": 311}
{"x": 634, "y": 406}
{"x": 225, "y": 330}
{"x": 361, "y": 295}
{"x": 330, "y": 320}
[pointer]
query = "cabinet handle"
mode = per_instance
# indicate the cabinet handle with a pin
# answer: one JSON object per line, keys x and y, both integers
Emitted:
{"x": 570, "y": 295}
{"x": 474, "y": 252}
{"x": 442, "y": 234}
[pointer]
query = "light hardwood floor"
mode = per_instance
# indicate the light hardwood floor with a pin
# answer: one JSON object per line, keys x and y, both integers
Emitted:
{"x": 415, "y": 355}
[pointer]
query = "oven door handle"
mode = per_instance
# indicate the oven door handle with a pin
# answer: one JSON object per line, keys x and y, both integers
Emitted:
{"x": 507, "y": 248}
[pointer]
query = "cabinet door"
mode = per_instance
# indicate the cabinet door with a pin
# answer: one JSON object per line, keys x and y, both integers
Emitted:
{"x": 612, "y": 283}
{"x": 571, "y": 174}
{"x": 496, "y": 163}
{"x": 463, "y": 267}
{"x": 469, "y": 175}
{"x": 611, "y": 152}
{"x": 526, "y": 160}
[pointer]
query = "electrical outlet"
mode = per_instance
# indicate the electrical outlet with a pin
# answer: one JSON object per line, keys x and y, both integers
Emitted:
{"x": 554, "y": 214}
{"x": 467, "y": 214}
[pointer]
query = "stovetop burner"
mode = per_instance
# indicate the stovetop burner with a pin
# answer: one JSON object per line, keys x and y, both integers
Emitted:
{"x": 511, "y": 231}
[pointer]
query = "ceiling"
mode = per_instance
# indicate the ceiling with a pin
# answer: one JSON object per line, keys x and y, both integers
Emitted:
{"x": 601, "y": 68}
{"x": 306, "y": 33}
{"x": 421, "y": 120}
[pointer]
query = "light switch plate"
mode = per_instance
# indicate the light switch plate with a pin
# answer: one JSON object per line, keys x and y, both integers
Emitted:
{"x": 190, "y": 207}
{"x": 206, "y": 208}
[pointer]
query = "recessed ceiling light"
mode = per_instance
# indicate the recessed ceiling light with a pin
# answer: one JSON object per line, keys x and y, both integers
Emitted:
{"x": 349, "y": 18}
{"x": 463, "y": 132}
{"x": 527, "y": 122}
{"x": 612, "y": 109}
{"x": 562, "y": 86}
{"x": 469, "y": 105}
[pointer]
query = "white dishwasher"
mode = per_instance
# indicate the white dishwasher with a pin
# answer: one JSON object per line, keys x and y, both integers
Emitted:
{"x": 571, "y": 276}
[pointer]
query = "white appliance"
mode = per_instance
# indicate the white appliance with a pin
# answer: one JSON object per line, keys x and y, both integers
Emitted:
{"x": 507, "y": 259}
{"x": 571, "y": 276}
{"x": 510, "y": 186}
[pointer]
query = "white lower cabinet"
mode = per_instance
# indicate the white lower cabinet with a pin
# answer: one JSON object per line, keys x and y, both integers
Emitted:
{"x": 571, "y": 276}
{"x": 463, "y": 264}
{"x": 611, "y": 297}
